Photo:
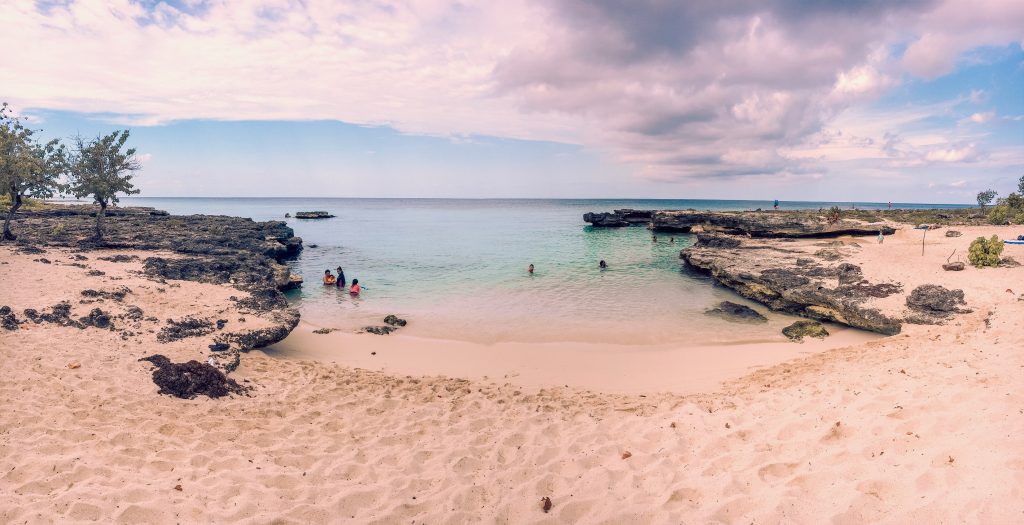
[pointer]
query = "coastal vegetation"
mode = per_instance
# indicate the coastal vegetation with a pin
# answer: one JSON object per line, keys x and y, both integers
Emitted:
{"x": 985, "y": 252}
{"x": 98, "y": 168}
{"x": 28, "y": 167}
{"x": 31, "y": 169}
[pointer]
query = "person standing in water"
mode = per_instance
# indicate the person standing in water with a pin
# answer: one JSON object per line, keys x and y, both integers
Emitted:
{"x": 602, "y": 265}
{"x": 776, "y": 204}
{"x": 341, "y": 278}
{"x": 328, "y": 278}
{"x": 530, "y": 269}
{"x": 355, "y": 289}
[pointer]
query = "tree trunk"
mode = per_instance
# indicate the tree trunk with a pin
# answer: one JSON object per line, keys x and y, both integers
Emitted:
{"x": 15, "y": 204}
{"x": 99, "y": 220}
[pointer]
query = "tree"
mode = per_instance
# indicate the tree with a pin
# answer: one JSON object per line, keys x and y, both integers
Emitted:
{"x": 985, "y": 197}
{"x": 1020, "y": 185}
{"x": 28, "y": 168}
{"x": 100, "y": 169}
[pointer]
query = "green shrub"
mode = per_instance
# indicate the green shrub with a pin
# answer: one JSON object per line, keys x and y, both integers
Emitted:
{"x": 985, "y": 252}
{"x": 998, "y": 215}
{"x": 58, "y": 229}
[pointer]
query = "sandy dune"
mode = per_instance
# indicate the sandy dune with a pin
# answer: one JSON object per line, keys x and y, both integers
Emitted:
{"x": 924, "y": 427}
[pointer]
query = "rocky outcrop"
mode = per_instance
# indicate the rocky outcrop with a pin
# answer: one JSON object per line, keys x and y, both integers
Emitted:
{"x": 736, "y": 312}
{"x": 801, "y": 329}
{"x": 763, "y": 224}
{"x": 190, "y": 379}
{"x": 619, "y": 218}
{"x": 933, "y": 304}
{"x": 787, "y": 278}
{"x": 219, "y": 249}
{"x": 313, "y": 215}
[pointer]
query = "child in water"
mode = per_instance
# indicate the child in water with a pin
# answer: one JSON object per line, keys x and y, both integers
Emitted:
{"x": 355, "y": 289}
{"x": 530, "y": 269}
{"x": 602, "y": 264}
{"x": 328, "y": 278}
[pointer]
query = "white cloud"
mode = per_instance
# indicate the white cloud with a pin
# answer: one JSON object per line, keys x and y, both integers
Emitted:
{"x": 676, "y": 89}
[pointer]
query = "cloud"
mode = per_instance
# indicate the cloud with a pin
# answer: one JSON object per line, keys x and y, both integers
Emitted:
{"x": 672, "y": 89}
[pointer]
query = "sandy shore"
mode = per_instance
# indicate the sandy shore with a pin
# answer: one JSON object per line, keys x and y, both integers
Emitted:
{"x": 923, "y": 427}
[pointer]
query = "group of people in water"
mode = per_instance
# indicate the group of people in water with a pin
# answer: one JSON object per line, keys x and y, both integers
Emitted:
{"x": 339, "y": 281}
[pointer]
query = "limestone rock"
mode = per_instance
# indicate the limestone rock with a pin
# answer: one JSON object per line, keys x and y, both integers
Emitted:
{"x": 800, "y": 329}
{"x": 734, "y": 311}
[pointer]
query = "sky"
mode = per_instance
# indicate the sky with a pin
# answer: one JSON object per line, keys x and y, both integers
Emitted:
{"x": 866, "y": 100}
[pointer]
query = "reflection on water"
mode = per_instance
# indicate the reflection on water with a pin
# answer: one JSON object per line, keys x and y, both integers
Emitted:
{"x": 457, "y": 269}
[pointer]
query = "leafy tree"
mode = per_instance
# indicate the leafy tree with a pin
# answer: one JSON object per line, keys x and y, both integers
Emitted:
{"x": 1020, "y": 185}
{"x": 985, "y": 252}
{"x": 985, "y": 197}
{"x": 28, "y": 168}
{"x": 100, "y": 169}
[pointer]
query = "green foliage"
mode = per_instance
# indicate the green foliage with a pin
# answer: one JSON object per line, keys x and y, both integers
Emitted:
{"x": 998, "y": 215}
{"x": 101, "y": 168}
{"x": 834, "y": 214}
{"x": 28, "y": 167}
{"x": 1008, "y": 211}
{"x": 1020, "y": 185}
{"x": 59, "y": 229}
{"x": 985, "y": 252}
{"x": 985, "y": 198}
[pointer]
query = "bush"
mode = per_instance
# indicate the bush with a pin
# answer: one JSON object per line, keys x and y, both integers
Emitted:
{"x": 58, "y": 229}
{"x": 985, "y": 252}
{"x": 834, "y": 214}
{"x": 998, "y": 215}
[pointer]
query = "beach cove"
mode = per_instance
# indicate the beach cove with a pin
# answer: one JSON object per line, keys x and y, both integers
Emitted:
{"x": 919, "y": 426}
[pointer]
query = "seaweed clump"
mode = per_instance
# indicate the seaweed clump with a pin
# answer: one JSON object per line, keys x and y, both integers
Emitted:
{"x": 190, "y": 379}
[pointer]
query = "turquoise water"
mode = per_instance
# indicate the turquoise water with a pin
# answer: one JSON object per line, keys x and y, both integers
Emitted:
{"x": 456, "y": 269}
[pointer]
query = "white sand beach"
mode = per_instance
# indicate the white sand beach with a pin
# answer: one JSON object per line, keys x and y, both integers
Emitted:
{"x": 921, "y": 427}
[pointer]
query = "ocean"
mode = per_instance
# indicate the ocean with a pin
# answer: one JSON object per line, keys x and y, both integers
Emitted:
{"x": 456, "y": 268}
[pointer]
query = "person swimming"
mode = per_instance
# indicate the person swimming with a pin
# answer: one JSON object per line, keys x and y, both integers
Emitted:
{"x": 328, "y": 278}
{"x": 341, "y": 278}
{"x": 602, "y": 264}
{"x": 355, "y": 289}
{"x": 530, "y": 269}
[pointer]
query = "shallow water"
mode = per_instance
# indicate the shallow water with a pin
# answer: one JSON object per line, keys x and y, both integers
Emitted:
{"x": 456, "y": 269}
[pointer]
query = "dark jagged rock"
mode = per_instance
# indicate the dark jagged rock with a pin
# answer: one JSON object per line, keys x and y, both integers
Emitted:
{"x": 770, "y": 274}
{"x": 956, "y": 266}
{"x": 393, "y": 320}
{"x": 191, "y": 379}
{"x": 204, "y": 237}
{"x": 263, "y": 300}
{"x": 7, "y": 319}
{"x": 221, "y": 323}
{"x": 801, "y": 329}
{"x": 59, "y": 314}
{"x": 95, "y": 273}
{"x": 619, "y": 218}
{"x": 734, "y": 311}
{"x": 220, "y": 347}
{"x": 935, "y": 303}
{"x": 379, "y": 330}
{"x": 134, "y": 313}
{"x": 762, "y": 224}
{"x": 240, "y": 270}
{"x": 97, "y": 318}
{"x": 116, "y": 294}
{"x": 120, "y": 258}
{"x": 284, "y": 322}
{"x": 313, "y": 215}
{"x": 184, "y": 328}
